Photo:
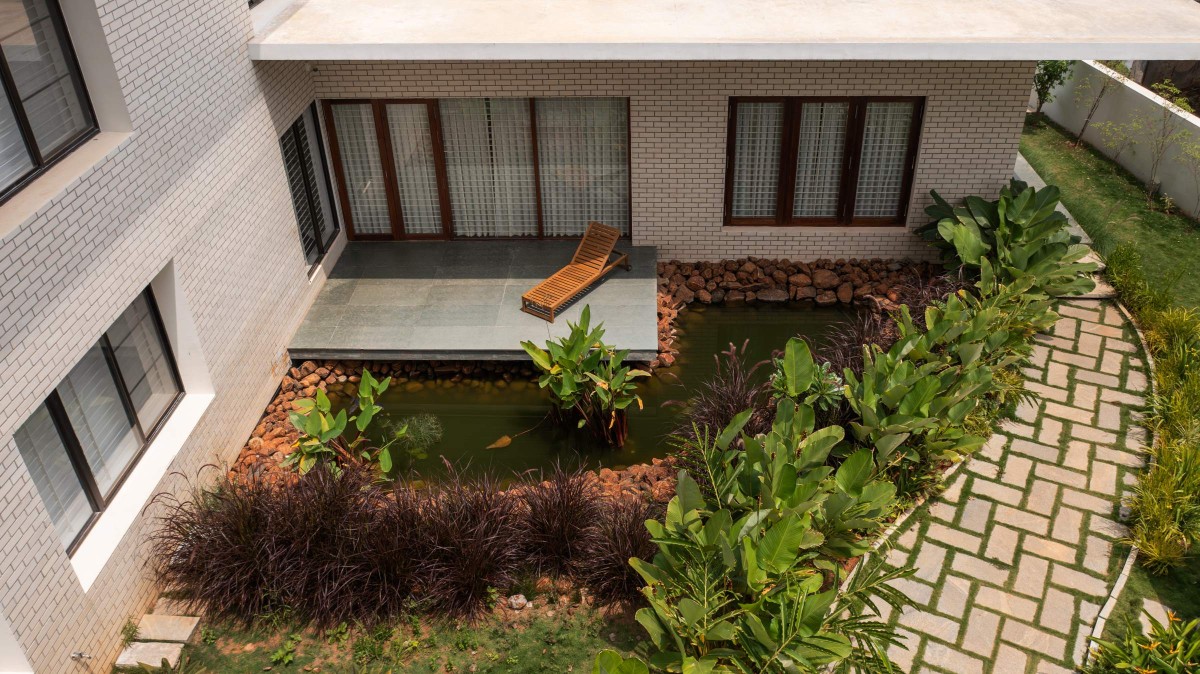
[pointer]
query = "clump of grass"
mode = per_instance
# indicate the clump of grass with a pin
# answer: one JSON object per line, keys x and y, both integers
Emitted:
{"x": 619, "y": 534}
{"x": 732, "y": 389}
{"x": 559, "y": 511}
{"x": 129, "y": 632}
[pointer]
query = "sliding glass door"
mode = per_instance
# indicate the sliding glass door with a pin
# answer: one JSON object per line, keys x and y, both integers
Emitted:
{"x": 481, "y": 167}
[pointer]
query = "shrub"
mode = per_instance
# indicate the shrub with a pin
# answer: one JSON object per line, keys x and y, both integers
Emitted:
{"x": 559, "y": 511}
{"x": 1047, "y": 76}
{"x": 731, "y": 390}
{"x": 618, "y": 535}
{"x": 477, "y": 539}
{"x": 257, "y": 547}
{"x": 588, "y": 379}
{"x": 1171, "y": 648}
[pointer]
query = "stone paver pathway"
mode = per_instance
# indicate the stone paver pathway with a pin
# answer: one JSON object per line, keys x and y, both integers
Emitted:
{"x": 1015, "y": 560}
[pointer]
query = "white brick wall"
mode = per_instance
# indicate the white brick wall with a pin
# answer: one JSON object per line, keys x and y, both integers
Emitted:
{"x": 200, "y": 181}
{"x": 678, "y": 113}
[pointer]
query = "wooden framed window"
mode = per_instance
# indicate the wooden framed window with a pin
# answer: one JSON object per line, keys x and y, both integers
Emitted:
{"x": 84, "y": 440}
{"x": 480, "y": 167}
{"x": 820, "y": 161}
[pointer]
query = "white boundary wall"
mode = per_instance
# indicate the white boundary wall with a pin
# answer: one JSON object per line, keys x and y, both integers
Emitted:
{"x": 1121, "y": 103}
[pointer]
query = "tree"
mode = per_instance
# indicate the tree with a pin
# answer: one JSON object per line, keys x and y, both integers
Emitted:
{"x": 1049, "y": 74}
{"x": 1091, "y": 91}
{"x": 1164, "y": 125}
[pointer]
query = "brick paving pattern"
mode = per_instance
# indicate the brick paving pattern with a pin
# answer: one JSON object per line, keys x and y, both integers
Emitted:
{"x": 1014, "y": 561}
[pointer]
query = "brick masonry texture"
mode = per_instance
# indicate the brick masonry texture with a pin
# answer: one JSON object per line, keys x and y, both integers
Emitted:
{"x": 974, "y": 112}
{"x": 1023, "y": 599}
{"x": 200, "y": 183}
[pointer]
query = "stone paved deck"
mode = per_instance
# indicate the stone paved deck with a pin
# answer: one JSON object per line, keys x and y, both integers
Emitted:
{"x": 1016, "y": 559}
{"x": 461, "y": 300}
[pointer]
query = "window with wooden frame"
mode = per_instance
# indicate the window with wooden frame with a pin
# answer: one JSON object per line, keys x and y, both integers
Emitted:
{"x": 83, "y": 441}
{"x": 821, "y": 161}
{"x": 480, "y": 167}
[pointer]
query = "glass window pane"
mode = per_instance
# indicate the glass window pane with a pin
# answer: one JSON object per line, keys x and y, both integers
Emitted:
{"x": 57, "y": 482}
{"x": 142, "y": 357}
{"x": 822, "y": 143}
{"x": 97, "y": 416}
{"x": 36, "y": 53}
{"x": 294, "y": 168}
{"x": 412, "y": 151}
{"x": 14, "y": 158}
{"x": 362, "y": 169}
{"x": 583, "y": 155}
{"x": 312, "y": 157}
{"x": 884, "y": 149}
{"x": 489, "y": 164}
{"x": 757, "y": 141}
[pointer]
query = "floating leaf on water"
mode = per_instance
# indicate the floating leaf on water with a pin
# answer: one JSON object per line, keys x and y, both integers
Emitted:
{"x": 501, "y": 443}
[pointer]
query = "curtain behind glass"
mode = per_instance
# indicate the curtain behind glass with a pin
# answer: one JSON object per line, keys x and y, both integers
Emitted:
{"x": 35, "y": 53}
{"x": 884, "y": 149}
{"x": 583, "y": 153}
{"x": 757, "y": 141}
{"x": 98, "y": 417}
{"x": 362, "y": 169}
{"x": 142, "y": 359}
{"x": 489, "y": 164}
{"x": 416, "y": 177}
{"x": 50, "y": 468}
{"x": 819, "y": 159}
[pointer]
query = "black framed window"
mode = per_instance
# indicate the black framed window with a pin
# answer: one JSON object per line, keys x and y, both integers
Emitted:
{"x": 308, "y": 180}
{"x": 44, "y": 110}
{"x": 821, "y": 161}
{"x": 81, "y": 443}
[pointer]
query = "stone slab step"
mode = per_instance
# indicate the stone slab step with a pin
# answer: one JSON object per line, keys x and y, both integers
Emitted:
{"x": 1095, "y": 259}
{"x": 149, "y": 653}
{"x": 166, "y": 627}
{"x": 168, "y": 606}
{"x": 1102, "y": 291}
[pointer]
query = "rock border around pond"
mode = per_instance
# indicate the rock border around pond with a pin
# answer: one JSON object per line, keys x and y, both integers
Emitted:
{"x": 825, "y": 282}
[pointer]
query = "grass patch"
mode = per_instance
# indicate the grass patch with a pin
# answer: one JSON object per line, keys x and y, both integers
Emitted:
{"x": 1178, "y": 588}
{"x": 553, "y": 636}
{"x": 1110, "y": 204}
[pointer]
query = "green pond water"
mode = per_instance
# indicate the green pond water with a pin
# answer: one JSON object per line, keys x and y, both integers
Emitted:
{"x": 474, "y": 415}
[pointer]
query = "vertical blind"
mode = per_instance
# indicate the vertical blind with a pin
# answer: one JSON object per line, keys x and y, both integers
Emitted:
{"x": 45, "y": 91}
{"x": 489, "y": 166}
{"x": 84, "y": 439}
{"x": 884, "y": 148}
{"x": 758, "y": 140}
{"x": 494, "y": 167}
{"x": 362, "y": 168}
{"x": 799, "y": 161}
{"x": 306, "y": 179}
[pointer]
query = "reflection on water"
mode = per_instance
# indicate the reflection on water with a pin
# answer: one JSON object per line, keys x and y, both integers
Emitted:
{"x": 475, "y": 414}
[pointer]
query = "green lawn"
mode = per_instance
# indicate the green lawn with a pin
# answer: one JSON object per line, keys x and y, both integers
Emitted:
{"x": 1103, "y": 197}
{"x": 551, "y": 638}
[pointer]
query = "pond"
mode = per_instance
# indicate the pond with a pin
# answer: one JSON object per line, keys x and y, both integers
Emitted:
{"x": 474, "y": 415}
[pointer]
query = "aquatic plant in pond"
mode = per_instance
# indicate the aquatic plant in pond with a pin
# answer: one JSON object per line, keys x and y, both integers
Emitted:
{"x": 323, "y": 436}
{"x": 588, "y": 379}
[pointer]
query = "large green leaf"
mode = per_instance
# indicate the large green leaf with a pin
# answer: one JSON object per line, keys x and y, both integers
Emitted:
{"x": 798, "y": 366}
{"x": 855, "y": 472}
{"x": 780, "y": 546}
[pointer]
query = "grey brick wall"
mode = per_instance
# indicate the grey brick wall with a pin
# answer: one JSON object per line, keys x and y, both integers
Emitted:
{"x": 678, "y": 125}
{"x": 200, "y": 181}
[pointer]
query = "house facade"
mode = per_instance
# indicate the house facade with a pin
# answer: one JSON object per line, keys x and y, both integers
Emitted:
{"x": 178, "y": 178}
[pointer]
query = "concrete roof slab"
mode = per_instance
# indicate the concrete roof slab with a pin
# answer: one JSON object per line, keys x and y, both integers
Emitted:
{"x": 727, "y": 30}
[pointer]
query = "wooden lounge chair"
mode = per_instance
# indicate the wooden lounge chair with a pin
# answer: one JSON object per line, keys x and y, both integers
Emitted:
{"x": 590, "y": 263}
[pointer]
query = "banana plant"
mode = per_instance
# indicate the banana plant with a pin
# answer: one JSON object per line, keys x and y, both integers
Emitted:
{"x": 323, "y": 433}
{"x": 588, "y": 379}
{"x": 798, "y": 377}
{"x": 1022, "y": 234}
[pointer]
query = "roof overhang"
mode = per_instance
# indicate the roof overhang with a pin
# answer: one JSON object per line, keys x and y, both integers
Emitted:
{"x": 720, "y": 30}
